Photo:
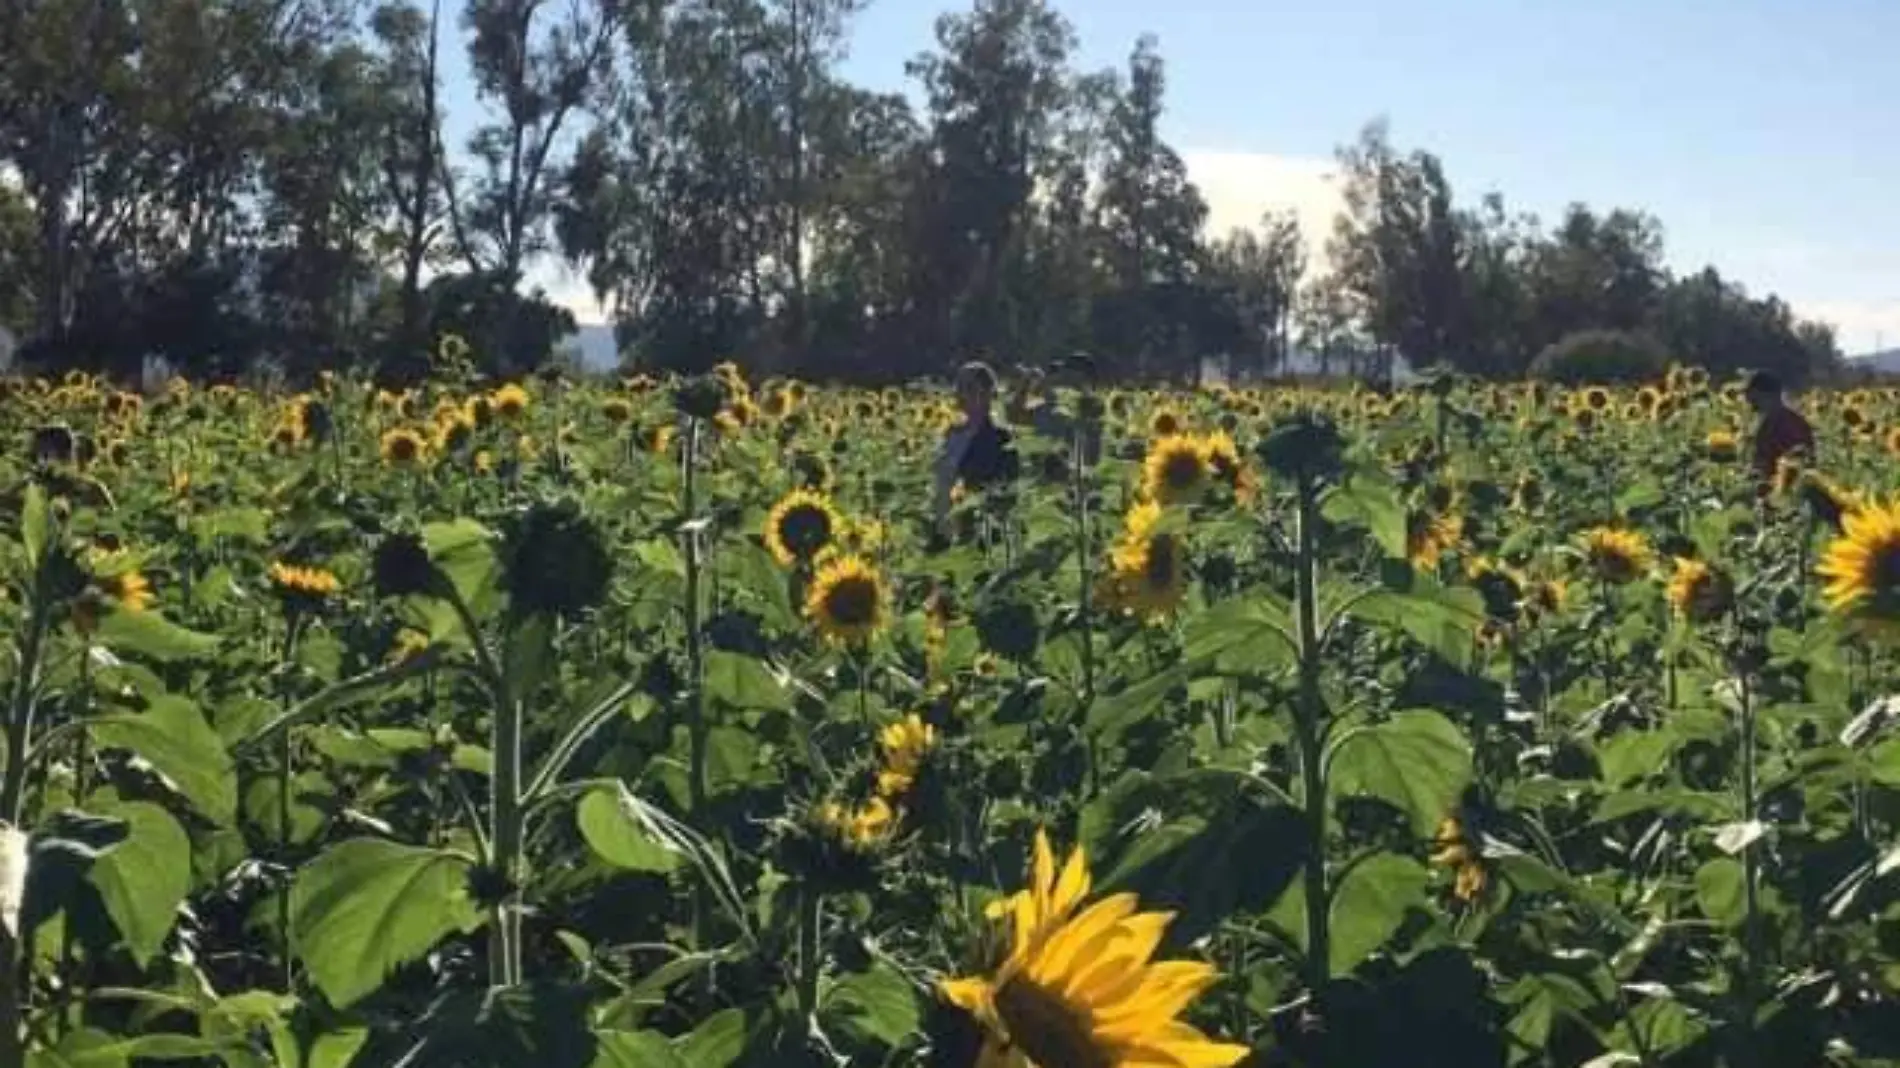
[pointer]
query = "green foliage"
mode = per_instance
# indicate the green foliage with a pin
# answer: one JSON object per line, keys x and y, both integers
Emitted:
{"x": 1606, "y": 357}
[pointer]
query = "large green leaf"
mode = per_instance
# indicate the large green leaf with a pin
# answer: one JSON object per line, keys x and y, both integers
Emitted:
{"x": 1720, "y": 891}
{"x": 35, "y": 525}
{"x": 465, "y": 552}
{"x": 1419, "y": 761}
{"x": 1369, "y": 904}
{"x": 743, "y": 682}
{"x": 173, "y": 736}
{"x": 636, "y": 1049}
{"x": 878, "y": 1006}
{"x": 146, "y": 878}
{"x": 1443, "y": 619}
{"x": 719, "y": 1040}
{"x": 1252, "y": 635}
{"x": 89, "y": 1048}
{"x": 152, "y": 636}
{"x": 367, "y": 906}
{"x": 626, "y": 832}
{"x": 1368, "y": 500}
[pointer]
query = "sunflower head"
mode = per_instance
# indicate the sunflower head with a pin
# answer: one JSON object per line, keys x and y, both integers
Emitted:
{"x": 800, "y": 526}
{"x": 1078, "y": 987}
{"x": 1176, "y": 470}
{"x": 402, "y": 447}
{"x": 903, "y": 745}
{"x": 1229, "y": 468}
{"x": 1722, "y": 445}
{"x": 1861, "y": 568}
{"x": 1164, "y": 423}
{"x": 846, "y": 601}
{"x": 510, "y": 401}
{"x": 302, "y": 588}
{"x": 1699, "y": 592}
{"x": 1430, "y": 535}
{"x": 1615, "y": 554}
{"x": 617, "y": 410}
{"x": 1452, "y": 848}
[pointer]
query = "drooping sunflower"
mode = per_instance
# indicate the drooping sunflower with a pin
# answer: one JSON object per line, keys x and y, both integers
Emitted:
{"x": 1176, "y": 470}
{"x": 617, "y": 410}
{"x": 1082, "y": 990}
{"x": 1862, "y": 567}
{"x": 1429, "y": 535}
{"x": 847, "y": 601}
{"x": 1451, "y": 848}
{"x": 510, "y": 401}
{"x": 1230, "y": 468}
{"x": 305, "y": 583}
{"x": 1699, "y": 592}
{"x": 1722, "y": 445}
{"x": 1616, "y": 555}
{"x": 402, "y": 447}
{"x": 904, "y": 745}
{"x": 800, "y": 526}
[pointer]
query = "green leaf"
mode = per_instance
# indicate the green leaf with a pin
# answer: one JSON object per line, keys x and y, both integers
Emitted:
{"x": 247, "y": 525}
{"x": 1111, "y": 715}
{"x": 60, "y": 852}
{"x": 1369, "y": 904}
{"x": 367, "y": 906}
{"x": 742, "y": 682}
{"x": 36, "y": 526}
{"x": 173, "y": 736}
{"x": 146, "y": 878}
{"x": 529, "y": 654}
{"x": 878, "y": 1006}
{"x": 636, "y": 1049}
{"x": 1720, "y": 893}
{"x": 1442, "y": 619}
{"x": 621, "y": 828}
{"x": 718, "y": 1042}
{"x": 151, "y": 635}
{"x": 464, "y": 551}
{"x": 1370, "y": 501}
{"x": 1417, "y": 761}
{"x": 1644, "y": 493}
{"x": 1633, "y": 755}
{"x": 1251, "y": 635}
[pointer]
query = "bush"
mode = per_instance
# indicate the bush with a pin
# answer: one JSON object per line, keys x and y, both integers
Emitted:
{"x": 1601, "y": 357}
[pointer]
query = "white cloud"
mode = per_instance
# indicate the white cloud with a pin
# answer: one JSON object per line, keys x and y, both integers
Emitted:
{"x": 1862, "y": 326}
{"x": 1240, "y": 187}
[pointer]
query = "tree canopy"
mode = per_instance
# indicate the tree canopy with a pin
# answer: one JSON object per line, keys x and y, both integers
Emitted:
{"x": 233, "y": 182}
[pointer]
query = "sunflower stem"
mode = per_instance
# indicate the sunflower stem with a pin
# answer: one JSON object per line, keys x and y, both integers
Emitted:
{"x": 811, "y": 905}
{"x": 1310, "y": 734}
{"x": 283, "y": 807}
{"x": 695, "y": 681}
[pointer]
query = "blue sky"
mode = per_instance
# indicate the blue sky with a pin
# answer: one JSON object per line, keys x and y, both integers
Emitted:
{"x": 1764, "y": 133}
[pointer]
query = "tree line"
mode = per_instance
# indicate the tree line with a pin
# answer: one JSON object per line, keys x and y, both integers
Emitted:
{"x": 231, "y": 182}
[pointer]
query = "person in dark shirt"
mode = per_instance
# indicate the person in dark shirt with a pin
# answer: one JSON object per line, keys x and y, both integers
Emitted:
{"x": 1782, "y": 431}
{"x": 975, "y": 452}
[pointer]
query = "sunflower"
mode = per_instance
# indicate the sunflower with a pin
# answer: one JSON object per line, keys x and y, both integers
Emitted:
{"x": 1452, "y": 849}
{"x": 402, "y": 447}
{"x": 1862, "y": 566}
{"x": 510, "y": 401}
{"x": 1080, "y": 991}
{"x": 1164, "y": 423}
{"x": 1892, "y": 441}
{"x": 859, "y": 828}
{"x": 1147, "y": 570}
{"x": 1699, "y": 593}
{"x": 800, "y": 526}
{"x": 128, "y": 588}
{"x": 904, "y": 744}
{"x": 1827, "y": 499}
{"x": 1176, "y": 470}
{"x": 302, "y": 583}
{"x": 846, "y": 602}
{"x": 1545, "y": 596}
{"x": 1428, "y": 536}
{"x": 1617, "y": 555}
{"x": 1229, "y": 468}
{"x": 288, "y": 433}
{"x": 1722, "y": 445}
{"x": 657, "y": 440}
{"x": 453, "y": 432}
{"x": 616, "y": 410}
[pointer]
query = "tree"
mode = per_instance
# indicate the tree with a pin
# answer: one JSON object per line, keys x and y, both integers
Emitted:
{"x": 1261, "y": 270}
{"x": 1150, "y": 213}
{"x": 409, "y": 143}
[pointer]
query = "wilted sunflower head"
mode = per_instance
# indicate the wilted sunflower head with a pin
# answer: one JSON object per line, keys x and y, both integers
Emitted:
{"x": 1617, "y": 555}
{"x": 1176, "y": 470}
{"x": 556, "y": 561}
{"x": 1861, "y": 568}
{"x": 800, "y": 526}
{"x": 1699, "y": 592}
{"x": 846, "y": 601}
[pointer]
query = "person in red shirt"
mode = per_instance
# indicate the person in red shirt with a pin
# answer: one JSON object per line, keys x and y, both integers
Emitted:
{"x": 1782, "y": 431}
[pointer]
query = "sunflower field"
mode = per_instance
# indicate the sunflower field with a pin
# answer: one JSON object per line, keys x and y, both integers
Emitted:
{"x": 658, "y": 724}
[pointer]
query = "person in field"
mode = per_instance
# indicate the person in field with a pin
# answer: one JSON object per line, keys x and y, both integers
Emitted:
{"x": 1782, "y": 431}
{"x": 976, "y": 452}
